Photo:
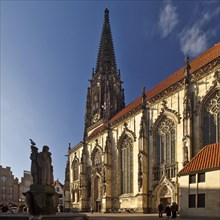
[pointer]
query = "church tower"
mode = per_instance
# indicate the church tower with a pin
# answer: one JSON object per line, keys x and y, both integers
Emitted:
{"x": 105, "y": 95}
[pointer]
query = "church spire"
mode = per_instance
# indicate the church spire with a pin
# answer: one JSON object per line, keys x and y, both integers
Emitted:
{"x": 106, "y": 54}
{"x": 105, "y": 96}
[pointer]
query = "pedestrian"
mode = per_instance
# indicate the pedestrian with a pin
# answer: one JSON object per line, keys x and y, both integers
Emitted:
{"x": 168, "y": 211}
{"x": 174, "y": 209}
{"x": 160, "y": 210}
{"x": 91, "y": 210}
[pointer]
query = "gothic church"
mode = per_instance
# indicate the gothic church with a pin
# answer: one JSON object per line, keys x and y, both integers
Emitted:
{"x": 130, "y": 156}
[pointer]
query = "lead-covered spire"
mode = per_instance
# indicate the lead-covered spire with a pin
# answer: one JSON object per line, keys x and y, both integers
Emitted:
{"x": 106, "y": 54}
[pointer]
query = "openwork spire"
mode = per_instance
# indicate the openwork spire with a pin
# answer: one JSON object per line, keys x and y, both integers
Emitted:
{"x": 105, "y": 96}
{"x": 106, "y": 54}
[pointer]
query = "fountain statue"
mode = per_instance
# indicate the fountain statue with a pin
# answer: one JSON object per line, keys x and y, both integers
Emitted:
{"x": 42, "y": 198}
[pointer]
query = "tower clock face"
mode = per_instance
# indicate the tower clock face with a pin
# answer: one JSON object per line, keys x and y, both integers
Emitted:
{"x": 96, "y": 117}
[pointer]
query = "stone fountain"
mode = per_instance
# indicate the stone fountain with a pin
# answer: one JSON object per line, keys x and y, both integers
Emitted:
{"x": 42, "y": 199}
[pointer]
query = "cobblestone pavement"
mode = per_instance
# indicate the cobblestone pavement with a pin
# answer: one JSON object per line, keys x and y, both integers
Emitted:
{"x": 110, "y": 216}
{"x": 123, "y": 216}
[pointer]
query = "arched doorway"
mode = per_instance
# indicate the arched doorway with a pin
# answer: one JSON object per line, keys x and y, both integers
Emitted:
{"x": 164, "y": 192}
{"x": 165, "y": 195}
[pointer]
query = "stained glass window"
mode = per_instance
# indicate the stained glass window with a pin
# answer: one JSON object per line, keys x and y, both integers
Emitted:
{"x": 75, "y": 169}
{"x": 211, "y": 120}
{"x": 127, "y": 165}
{"x": 166, "y": 142}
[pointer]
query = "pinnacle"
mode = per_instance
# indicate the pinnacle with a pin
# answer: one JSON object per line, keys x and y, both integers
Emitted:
{"x": 106, "y": 54}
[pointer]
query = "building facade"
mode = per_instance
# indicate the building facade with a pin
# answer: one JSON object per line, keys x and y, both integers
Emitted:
{"x": 59, "y": 188}
{"x": 200, "y": 184}
{"x": 9, "y": 190}
{"x": 130, "y": 155}
{"x": 24, "y": 186}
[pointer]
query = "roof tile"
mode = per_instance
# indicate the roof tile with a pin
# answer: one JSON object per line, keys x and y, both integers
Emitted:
{"x": 207, "y": 158}
{"x": 195, "y": 64}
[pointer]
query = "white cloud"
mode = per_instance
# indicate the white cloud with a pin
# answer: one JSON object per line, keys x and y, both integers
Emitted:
{"x": 193, "y": 41}
{"x": 168, "y": 19}
{"x": 194, "y": 38}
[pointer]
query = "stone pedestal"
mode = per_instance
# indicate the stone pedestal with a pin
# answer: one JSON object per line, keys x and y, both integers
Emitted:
{"x": 42, "y": 200}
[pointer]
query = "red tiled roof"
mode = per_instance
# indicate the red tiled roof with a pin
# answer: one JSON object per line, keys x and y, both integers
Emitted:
{"x": 205, "y": 159}
{"x": 125, "y": 110}
{"x": 195, "y": 64}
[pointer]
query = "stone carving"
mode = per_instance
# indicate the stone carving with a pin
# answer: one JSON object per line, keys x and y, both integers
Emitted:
{"x": 186, "y": 144}
{"x": 41, "y": 165}
{"x": 34, "y": 166}
{"x": 140, "y": 173}
{"x": 45, "y": 169}
{"x": 42, "y": 198}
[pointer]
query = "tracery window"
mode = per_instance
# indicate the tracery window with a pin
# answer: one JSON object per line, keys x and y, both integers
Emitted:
{"x": 211, "y": 120}
{"x": 97, "y": 158}
{"x": 75, "y": 169}
{"x": 127, "y": 165}
{"x": 165, "y": 142}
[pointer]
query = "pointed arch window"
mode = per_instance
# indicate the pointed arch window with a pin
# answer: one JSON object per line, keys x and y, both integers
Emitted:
{"x": 75, "y": 169}
{"x": 211, "y": 120}
{"x": 127, "y": 165}
{"x": 97, "y": 158}
{"x": 165, "y": 142}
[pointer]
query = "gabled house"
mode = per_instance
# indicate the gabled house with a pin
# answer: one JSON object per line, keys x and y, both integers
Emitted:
{"x": 200, "y": 184}
{"x": 59, "y": 188}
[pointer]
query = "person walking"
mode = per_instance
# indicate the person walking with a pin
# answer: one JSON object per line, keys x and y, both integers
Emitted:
{"x": 168, "y": 211}
{"x": 91, "y": 209}
{"x": 174, "y": 209}
{"x": 160, "y": 210}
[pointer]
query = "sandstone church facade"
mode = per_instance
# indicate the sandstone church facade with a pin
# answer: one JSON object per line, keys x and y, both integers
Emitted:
{"x": 130, "y": 156}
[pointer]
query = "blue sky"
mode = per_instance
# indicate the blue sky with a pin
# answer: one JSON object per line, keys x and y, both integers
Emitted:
{"x": 48, "y": 50}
